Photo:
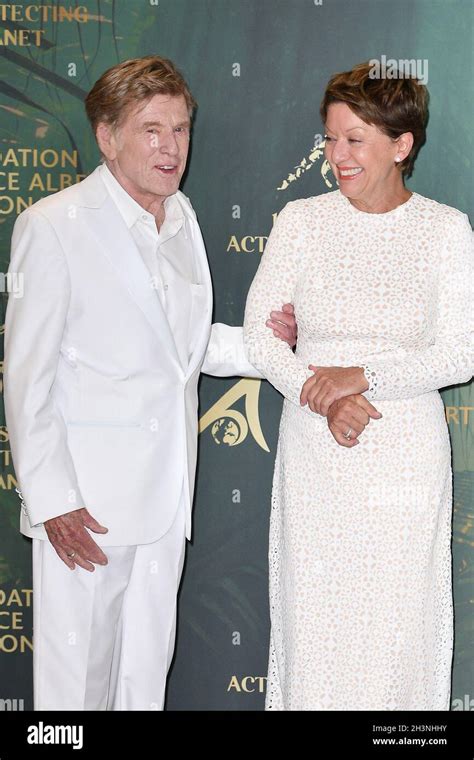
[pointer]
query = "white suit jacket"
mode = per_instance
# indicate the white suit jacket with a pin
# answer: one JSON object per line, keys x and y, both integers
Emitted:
{"x": 100, "y": 411}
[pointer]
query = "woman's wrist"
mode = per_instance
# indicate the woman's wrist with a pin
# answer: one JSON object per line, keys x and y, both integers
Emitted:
{"x": 370, "y": 379}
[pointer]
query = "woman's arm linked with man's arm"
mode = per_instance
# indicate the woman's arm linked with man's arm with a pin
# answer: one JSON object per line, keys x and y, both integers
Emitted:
{"x": 275, "y": 282}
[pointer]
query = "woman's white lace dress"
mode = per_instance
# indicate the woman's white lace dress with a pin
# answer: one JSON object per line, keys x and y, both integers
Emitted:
{"x": 360, "y": 559}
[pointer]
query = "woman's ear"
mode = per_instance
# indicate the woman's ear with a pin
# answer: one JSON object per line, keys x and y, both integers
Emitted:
{"x": 404, "y": 146}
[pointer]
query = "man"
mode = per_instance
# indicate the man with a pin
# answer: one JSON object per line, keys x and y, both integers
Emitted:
{"x": 103, "y": 356}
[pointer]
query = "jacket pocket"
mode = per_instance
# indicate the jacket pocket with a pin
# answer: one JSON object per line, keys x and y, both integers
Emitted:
{"x": 102, "y": 424}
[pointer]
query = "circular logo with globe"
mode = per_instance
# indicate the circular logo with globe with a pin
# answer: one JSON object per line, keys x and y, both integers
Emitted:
{"x": 225, "y": 430}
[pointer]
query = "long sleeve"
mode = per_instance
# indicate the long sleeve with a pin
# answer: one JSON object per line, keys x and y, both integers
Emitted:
{"x": 450, "y": 357}
{"x": 225, "y": 355}
{"x": 34, "y": 328}
{"x": 275, "y": 283}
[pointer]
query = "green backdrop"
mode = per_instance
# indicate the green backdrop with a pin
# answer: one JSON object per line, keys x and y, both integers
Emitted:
{"x": 258, "y": 69}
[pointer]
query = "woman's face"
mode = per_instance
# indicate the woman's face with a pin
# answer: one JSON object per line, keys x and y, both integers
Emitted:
{"x": 361, "y": 157}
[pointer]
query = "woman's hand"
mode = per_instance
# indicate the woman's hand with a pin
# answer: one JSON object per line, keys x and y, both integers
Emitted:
{"x": 351, "y": 413}
{"x": 329, "y": 384}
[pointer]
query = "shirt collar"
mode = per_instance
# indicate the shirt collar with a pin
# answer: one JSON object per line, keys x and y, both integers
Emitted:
{"x": 132, "y": 212}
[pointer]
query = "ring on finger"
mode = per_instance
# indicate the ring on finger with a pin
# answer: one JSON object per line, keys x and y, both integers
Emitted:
{"x": 348, "y": 434}
{"x": 71, "y": 555}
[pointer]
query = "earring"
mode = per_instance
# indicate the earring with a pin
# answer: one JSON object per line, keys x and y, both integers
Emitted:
{"x": 397, "y": 159}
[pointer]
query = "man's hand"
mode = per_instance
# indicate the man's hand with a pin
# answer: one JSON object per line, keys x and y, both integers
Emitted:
{"x": 353, "y": 412}
{"x": 283, "y": 324}
{"x": 329, "y": 384}
{"x": 68, "y": 534}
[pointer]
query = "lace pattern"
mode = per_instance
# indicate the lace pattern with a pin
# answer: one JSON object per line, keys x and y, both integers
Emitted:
{"x": 359, "y": 554}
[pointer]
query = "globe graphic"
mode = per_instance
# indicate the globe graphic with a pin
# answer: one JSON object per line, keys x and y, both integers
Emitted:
{"x": 225, "y": 431}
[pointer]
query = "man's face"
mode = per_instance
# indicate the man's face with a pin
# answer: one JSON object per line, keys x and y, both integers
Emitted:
{"x": 148, "y": 151}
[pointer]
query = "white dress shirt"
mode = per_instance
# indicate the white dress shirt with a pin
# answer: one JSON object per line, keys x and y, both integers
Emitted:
{"x": 168, "y": 255}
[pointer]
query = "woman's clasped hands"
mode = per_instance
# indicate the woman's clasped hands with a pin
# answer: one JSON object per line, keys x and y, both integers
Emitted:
{"x": 335, "y": 393}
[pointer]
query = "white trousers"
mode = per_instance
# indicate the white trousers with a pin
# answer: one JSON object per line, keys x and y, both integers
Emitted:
{"x": 104, "y": 640}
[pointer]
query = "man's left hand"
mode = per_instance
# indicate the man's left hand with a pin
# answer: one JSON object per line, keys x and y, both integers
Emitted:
{"x": 283, "y": 324}
{"x": 329, "y": 384}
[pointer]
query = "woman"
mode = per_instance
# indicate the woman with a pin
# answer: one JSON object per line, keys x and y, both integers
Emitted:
{"x": 360, "y": 563}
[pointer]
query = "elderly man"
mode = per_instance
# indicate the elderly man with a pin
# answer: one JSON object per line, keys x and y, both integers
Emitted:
{"x": 103, "y": 357}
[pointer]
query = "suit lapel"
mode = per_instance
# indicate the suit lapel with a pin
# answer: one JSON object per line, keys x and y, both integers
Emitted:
{"x": 205, "y": 278}
{"x": 117, "y": 245}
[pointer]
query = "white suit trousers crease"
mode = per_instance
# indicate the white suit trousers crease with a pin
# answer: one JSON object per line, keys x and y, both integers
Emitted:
{"x": 104, "y": 640}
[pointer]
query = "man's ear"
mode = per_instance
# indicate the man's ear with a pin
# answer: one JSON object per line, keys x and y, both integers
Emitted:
{"x": 106, "y": 140}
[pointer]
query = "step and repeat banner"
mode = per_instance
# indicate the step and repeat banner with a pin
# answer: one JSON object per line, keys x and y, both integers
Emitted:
{"x": 258, "y": 69}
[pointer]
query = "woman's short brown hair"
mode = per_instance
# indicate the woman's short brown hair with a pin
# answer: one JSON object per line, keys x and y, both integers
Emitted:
{"x": 394, "y": 106}
{"x": 131, "y": 82}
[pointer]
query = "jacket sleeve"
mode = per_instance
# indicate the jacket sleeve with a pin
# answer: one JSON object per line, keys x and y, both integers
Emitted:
{"x": 225, "y": 355}
{"x": 449, "y": 359}
{"x": 275, "y": 283}
{"x": 33, "y": 334}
